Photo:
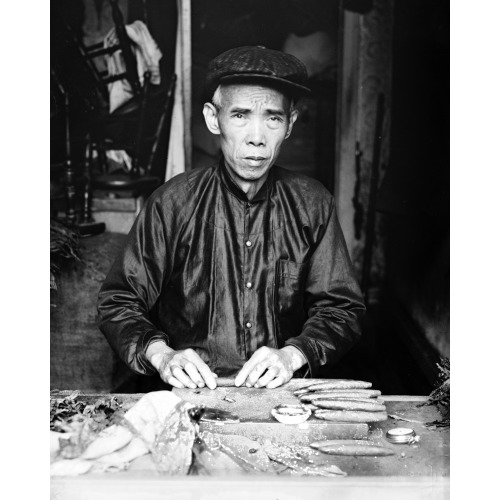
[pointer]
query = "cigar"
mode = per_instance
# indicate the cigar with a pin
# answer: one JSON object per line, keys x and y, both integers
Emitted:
{"x": 356, "y": 450}
{"x": 225, "y": 381}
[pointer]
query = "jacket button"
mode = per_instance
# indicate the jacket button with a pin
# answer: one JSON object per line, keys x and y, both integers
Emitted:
{"x": 248, "y": 325}
{"x": 248, "y": 243}
{"x": 249, "y": 285}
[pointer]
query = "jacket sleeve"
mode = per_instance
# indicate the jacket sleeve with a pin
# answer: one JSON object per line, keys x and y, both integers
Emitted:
{"x": 133, "y": 285}
{"x": 333, "y": 301}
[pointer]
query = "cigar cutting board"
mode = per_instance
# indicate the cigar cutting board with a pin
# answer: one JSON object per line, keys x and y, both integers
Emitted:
{"x": 253, "y": 407}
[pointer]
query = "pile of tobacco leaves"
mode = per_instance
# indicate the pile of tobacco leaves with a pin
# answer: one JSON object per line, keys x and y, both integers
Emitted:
{"x": 440, "y": 396}
{"x": 81, "y": 420}
{"x": 64, "y": 241}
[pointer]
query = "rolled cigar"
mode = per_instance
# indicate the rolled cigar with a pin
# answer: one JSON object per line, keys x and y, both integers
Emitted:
{"x": 340, "y": 384}
{"x": 360, "y": 400}
{"x": 366, "y": 393}
{"x": 336, "y": 404}
{"x": 357, "y": 450}
{"x": 337, "y": 442}
{"x": 351, "y": 416}
{"x": 309, "y": 406}
{"x": 225, "y": 381}
{"x": 301, "y": 391}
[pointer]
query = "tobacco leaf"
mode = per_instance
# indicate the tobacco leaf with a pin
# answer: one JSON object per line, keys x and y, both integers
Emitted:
{"x": 67, "y": 410}
{"x": 82, "y": 421}
{"x": 440, "y": 396}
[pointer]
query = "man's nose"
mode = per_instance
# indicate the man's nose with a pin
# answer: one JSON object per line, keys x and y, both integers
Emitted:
{"x": 256, "y": 133}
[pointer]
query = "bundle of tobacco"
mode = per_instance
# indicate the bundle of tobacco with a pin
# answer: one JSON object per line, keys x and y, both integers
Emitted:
{"x": 75, "y": 424}
{"x": 343, "y": 400}
{"x": 441, "y": 395}
{"x": 65, "y": 411}
{"x": 64, "y": 244}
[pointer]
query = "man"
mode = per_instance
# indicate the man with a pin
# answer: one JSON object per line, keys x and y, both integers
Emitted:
{"x": 238, "y": 269}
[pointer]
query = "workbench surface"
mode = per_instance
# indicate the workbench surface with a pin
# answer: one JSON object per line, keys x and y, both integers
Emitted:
{"x": 415, "y": 471}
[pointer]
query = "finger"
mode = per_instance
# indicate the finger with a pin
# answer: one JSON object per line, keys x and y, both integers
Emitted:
{"x": 269, "y": 375}
{"x": 181, "y": 376}
{"x": 191, "y": 369}
{"x": 247, "y": 368}
{"x": 206, "y": 375}
{"x": 257, "y": 372}
{"x": 168, "y": 378}
{"x": 164, "y": 373}
{"x": 241, "y": 376}
{"x": 174, "y": 382}
{"x": 279, "y": 380}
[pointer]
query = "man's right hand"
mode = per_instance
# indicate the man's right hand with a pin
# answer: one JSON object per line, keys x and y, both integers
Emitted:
{"x": 181, "y": 368}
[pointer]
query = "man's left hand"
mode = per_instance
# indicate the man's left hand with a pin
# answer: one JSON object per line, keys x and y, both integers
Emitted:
{"x": 270, "y": 367}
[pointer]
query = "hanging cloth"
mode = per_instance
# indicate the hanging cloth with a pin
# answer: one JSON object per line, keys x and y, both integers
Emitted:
{"x": 147, "y": 55}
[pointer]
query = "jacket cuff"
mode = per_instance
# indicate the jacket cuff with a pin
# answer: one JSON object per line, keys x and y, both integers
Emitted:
{"x": 304, "y": 346}
{"x": 142, "y": 346}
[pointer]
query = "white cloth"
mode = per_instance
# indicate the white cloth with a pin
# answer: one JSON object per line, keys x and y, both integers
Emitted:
{"x": 147, "y": 55}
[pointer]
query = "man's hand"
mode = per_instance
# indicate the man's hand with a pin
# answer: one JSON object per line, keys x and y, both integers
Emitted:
{"x": 180, "y": 368}
{"x": 270, "y": 367}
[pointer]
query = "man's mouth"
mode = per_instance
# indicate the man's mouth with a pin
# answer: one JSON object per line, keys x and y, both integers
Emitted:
{"x": 255, "y": 158}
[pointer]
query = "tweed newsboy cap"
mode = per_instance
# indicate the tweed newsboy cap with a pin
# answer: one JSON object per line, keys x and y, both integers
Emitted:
{"x": 257, "y": 63}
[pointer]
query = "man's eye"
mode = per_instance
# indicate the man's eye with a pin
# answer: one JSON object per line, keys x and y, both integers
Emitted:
{"x": 237, "y": 115}
{"x": 276, "y": 119}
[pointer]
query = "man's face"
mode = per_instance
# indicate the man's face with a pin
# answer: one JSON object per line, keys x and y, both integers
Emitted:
{"x": 253, "y": 121}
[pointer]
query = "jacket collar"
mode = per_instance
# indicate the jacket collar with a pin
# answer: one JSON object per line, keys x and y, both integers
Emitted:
{"x": 228, "y": 183}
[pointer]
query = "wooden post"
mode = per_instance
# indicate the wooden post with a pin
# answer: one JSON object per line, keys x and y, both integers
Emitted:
{"x": 185, "y": 77}
{"x": 372, "y": 197}
{"x": 347, "y": 123}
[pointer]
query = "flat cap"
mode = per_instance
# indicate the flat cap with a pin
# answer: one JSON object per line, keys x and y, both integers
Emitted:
{"x": 257, "y": 63}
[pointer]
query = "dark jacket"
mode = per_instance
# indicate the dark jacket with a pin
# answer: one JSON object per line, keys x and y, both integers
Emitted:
{"x": 205, "y": 268}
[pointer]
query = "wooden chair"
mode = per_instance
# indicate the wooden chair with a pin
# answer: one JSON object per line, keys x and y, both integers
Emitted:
{"x": 136, "y": 126}
{"x": 142, "y": 147}
{"x": 85, "y": 224}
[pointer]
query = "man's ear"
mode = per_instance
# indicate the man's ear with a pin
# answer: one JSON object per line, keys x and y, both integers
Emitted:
{"x": 210, "y": 114}
{"x": 293, "y": 116}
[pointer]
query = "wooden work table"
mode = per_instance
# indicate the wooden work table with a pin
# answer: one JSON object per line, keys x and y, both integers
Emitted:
{"x": 415, "y": 471}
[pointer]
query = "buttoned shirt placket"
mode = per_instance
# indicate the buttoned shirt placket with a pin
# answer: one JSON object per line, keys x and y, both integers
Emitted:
{"x": 248, "y": 278}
